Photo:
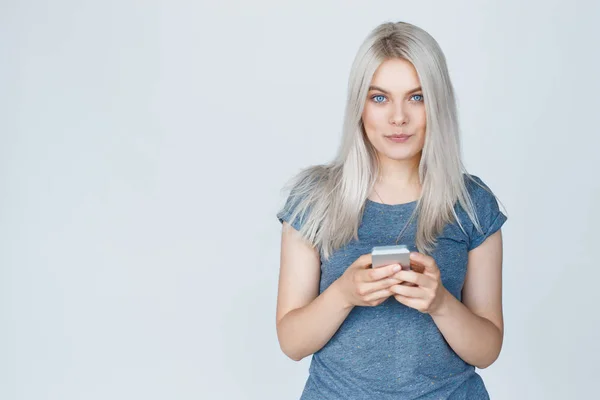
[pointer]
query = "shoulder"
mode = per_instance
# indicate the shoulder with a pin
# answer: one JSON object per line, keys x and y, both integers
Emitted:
{"x": 487, "y": 217}
{"x": 302, "y": 190}
{"x": 477, "y": 188}
{"x": 480, "y": 193}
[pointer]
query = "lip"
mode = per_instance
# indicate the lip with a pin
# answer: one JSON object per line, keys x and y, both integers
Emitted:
{"x": 401, "y": 138}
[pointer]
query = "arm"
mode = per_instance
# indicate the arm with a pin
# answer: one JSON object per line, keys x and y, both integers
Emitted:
{"x": 305, "y": 320}
{"x": 475, "y": 328}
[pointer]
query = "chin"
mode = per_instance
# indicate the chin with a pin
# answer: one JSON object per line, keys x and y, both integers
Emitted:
{"x": 404, "y": 154}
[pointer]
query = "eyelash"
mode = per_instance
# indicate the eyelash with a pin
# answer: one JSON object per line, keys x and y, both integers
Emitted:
{"x": 380, "y": 95}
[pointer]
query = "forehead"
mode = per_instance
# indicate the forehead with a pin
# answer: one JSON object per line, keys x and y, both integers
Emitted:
{"x": 396, "y": 75}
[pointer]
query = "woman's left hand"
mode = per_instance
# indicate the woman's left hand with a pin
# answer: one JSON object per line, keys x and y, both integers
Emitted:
{"x": 428, "y": 294}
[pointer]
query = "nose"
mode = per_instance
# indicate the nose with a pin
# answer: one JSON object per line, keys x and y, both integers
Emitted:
{"x": 398, "y": 115}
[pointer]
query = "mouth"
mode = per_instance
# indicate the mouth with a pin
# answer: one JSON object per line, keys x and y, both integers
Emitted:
{"x": 399, "y": 138}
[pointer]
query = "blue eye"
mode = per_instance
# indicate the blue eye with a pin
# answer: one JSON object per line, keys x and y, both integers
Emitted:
{"x": 419, "y": 97}
{"x": 378, "y": 96}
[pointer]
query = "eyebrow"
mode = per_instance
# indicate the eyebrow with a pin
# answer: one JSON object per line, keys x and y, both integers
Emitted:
{"x": 386, "y": 92}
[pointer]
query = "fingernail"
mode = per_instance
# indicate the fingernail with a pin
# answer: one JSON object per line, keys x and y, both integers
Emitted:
{"x": 396, "y": 268}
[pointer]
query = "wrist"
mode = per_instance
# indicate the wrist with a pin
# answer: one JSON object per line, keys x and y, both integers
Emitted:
{"x": 443, "y": 307}
{"x": 338, "y": 293}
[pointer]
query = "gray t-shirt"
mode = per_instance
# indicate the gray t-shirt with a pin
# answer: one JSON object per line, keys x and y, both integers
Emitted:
{"x": 392, "y": 351}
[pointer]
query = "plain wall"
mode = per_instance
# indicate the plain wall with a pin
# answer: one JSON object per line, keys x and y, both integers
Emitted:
{"x": 143, "y": 146}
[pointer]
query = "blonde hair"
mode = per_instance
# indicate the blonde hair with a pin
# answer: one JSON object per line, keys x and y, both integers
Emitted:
{"x": 331, "y": 198}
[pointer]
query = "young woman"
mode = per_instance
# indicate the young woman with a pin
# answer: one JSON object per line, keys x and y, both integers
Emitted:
{"x": 385, "y": 333}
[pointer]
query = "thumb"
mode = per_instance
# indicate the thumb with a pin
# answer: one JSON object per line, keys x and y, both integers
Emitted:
{"x": 364, "y": 261}
{"x": 423, "y": 262}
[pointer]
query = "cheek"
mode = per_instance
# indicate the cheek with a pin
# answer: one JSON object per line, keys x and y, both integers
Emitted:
{"x": 420, "y": 119}
{"x": 372, "y": 118}
{"x": 367, "y": 117}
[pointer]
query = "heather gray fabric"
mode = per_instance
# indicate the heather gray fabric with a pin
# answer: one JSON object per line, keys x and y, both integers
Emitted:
{"x": 392, "y": 351}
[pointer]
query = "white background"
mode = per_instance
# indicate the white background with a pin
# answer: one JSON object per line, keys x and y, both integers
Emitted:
{"x": 143, "y": 146}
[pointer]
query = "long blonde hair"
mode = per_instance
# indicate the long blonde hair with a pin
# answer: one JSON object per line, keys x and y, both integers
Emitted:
{"x": 331, "y": 198}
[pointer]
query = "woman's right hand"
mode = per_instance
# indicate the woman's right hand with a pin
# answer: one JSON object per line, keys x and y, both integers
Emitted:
{"x": 362, "y": 285}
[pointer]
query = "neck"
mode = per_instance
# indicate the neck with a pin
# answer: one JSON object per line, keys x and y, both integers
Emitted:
{"x": 399, "y": 172}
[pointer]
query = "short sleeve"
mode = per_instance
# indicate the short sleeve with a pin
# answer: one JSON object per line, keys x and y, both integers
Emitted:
{"x": 488, "y": 213}
{"x": 287, "y": 212}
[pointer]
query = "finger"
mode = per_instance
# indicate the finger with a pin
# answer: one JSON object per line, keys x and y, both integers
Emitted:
{"x": 382, "y": 284}
{"x": 378, "y": 295}
{"x": 417, "y": 268}
{"x": 364, "y": 261}
{"x": 409, "y": 301}
{"x": 414, "y": 277}
{"x": 400, "y": 281}
{"x": 424, "y": 261}
{"x": 366, "y": 288}
{"x": 376, "y": 274}
{"x": 408, "y": 291}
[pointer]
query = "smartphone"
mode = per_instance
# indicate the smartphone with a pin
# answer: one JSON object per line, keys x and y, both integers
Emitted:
{"x": 386, "y": 255}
